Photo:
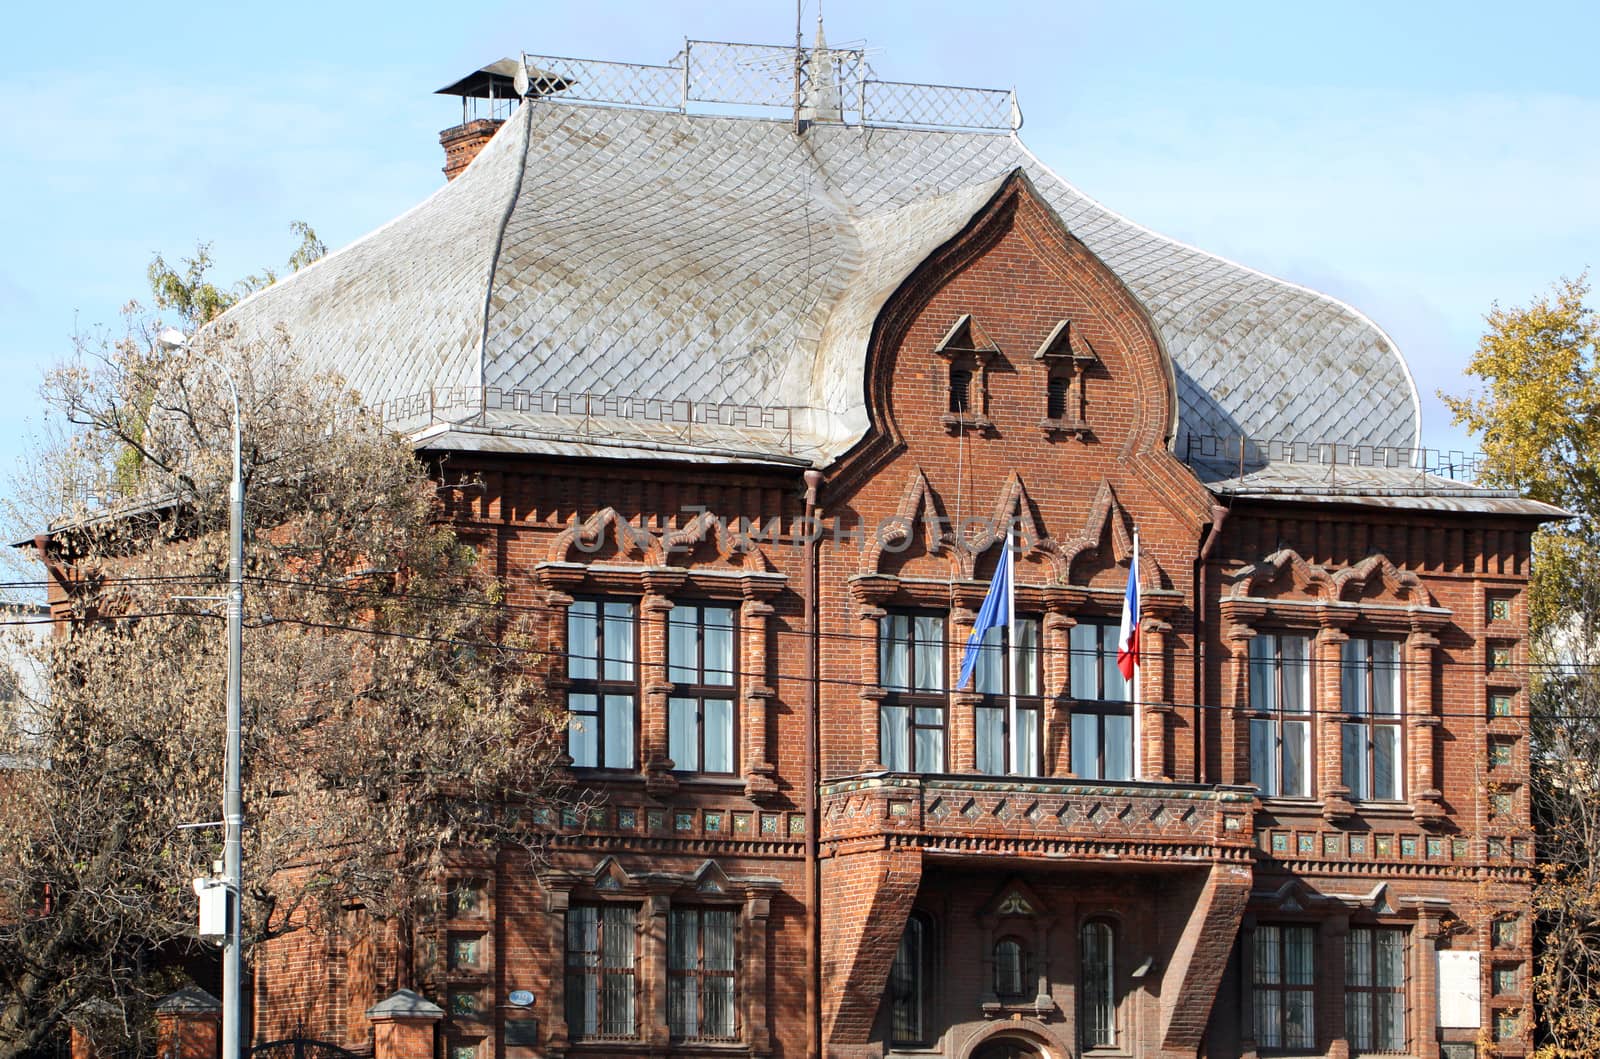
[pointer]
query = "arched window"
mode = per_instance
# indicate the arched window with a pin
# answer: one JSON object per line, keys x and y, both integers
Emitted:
{"x": 1011, "y": 960}
{"x": 910, "y": 978}
{"x": 1096, "y": 958}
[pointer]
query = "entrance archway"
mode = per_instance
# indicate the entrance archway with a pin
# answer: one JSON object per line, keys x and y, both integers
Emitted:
{"x": 1007, "y": 1048}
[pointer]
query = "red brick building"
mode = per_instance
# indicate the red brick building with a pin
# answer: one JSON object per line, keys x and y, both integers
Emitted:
{"x": 758, "y": 403}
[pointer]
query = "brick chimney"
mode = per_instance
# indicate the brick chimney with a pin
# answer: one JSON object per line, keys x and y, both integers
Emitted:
{"x": 463, "y": 142}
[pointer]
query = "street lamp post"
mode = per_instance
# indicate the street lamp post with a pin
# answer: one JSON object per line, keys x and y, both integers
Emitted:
{"x": 232, "y": 797}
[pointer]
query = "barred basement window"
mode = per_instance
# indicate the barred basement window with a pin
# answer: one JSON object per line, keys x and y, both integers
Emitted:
{"x": 1283, "y": 987}
{"x": 602, "y": 972}
{"x": 1375, "y": 989}
{"x": 1011, "y": 960}
{"x": 910, "y": 977}
{"x": 1097, "y": 964}
{"x": 602, "y": 702}
{"x": 700, "y": 974}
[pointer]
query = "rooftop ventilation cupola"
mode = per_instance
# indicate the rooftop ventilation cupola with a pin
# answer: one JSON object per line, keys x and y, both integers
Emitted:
{"x": 488, "y": 96}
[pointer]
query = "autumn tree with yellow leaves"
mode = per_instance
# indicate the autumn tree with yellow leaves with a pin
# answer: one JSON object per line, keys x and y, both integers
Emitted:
{"x": 1538, "y": 421}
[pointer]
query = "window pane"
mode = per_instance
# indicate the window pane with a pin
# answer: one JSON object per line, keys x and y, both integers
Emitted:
{"x": 991, "y": 734}
{"x": 929, "y": 654}
{"x": 1353, "y": 676}
{"x": 1028, "y": 742}
{"x": 1028, "y": 656}
{"x": 894, "y": 651}
{"x": 619, "y": 732}
{"x": 1083, "y": 640}
{"x": 1385, "y": 677}
{"x": 718, "y": 930}
{"x": 1358, "y": 1019}
{"x": 719, "y": 646}
{"x": 905, "y": 985}
{"x": 1297, "y": 956}
{"x": 717, "y": 1018}
{"x": 683, "y": 734}
{"x": 1099, "y": 1014}
{"x": 1385, "y": 761}
{"x": 893, "y": 737}
{"x": 616, "y": 932}
{"x": 1269, "y": 1018}
{"x": 1390, "y": 1022}
{"x": 1119, "y": 747}
{"x": 619, "y": 641}
{"x": 1358, "y": 957}
{"x": 719, "y": 735}
{"x": 683, "y": 1015}
{"x": 989, "y": 675}
{"x": 1299, "y": 1029}
{"x": 581, "y": 660}
{"x": 1391, "y": 958}
{"x": 1086, "y": 745}
{"x": 1266, "y": 968}
{"x": 583, "y": 1004}
{"x": 1353, "y": 755}
{"x": 1008, "y": 968}
{"x": 1296, "y": 759}
{"x": 1263, "y": 690}
{"x": 929, "y": 748}
{"x": 1114, "y": 687}
{"x": 583, "y": 736}
{"x": 1262, "y": 753}
{"x": 1296, "y": 679}
{"x": 683, "y": 665}
{"x": 682, "y": 939}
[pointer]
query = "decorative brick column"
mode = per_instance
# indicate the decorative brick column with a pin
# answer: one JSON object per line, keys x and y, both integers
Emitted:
{"x": 754, "y": 617}
{"x": 870, "y": 590}
{"x": 189, "y": 1024}
{"x": 1056, "y": 725}
{"x": 1155, "y": 706}
{"x": 1235, "y": 749}
{"x": 1422, "y": 786}
{"x": 654, "y": 610}
{"x": 404, "y": 1026}
{"x": 1328, "y": 648}
{"x": 1331, "y": 934}
{"x": 962, "y": 753}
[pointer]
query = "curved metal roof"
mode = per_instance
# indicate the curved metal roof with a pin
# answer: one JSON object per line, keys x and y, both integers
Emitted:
{"x": 716, "y": 280}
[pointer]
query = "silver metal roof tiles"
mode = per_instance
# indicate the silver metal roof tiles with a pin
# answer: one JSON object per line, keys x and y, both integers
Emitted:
{"x": 606, "y": 250}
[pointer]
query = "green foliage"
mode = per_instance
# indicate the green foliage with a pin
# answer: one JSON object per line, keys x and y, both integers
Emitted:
{"x": 188, "y": 291}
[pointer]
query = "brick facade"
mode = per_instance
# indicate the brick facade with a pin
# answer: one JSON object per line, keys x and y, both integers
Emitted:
{"x": 1185, "y": 863}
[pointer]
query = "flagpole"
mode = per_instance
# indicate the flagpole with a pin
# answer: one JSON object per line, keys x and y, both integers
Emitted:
{"x": 1138, "y": 698}
{"x": 1011, "y": 654}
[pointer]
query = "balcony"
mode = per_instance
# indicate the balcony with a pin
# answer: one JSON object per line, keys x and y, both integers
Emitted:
{"x": 973, "y": 817}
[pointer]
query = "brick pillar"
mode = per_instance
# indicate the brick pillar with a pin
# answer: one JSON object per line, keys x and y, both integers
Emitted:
{"x": 189, "y": 1025}
{"x": 961, "y": 755}
{"x": 1331, "y": 934}
{"x": 1424, "y": 978}
{"x": 870, "y": 895}
{"x": 462, "y": 143}
{"x": 1155, "y": 709}
{"x": 1235, "y": 749}
{"x": 759, "y": 783}
{"x": 1328, "y": 648}
{"x": 1422, "y": 786}
{"x": 1055, "y": 727}
{"x": 404, "y": 1026}
{"x": 654, "y": 610}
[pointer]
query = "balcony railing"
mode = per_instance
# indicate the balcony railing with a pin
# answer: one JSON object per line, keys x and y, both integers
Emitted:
{"x": 1048, "y": 818}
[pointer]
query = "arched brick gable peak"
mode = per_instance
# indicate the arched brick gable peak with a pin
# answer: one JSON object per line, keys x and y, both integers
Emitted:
{"x": 1402, "y": 585}
{"x": 733, "y": 544}
{"x": 581, "y": 539}
{"x": 1108, "y": 519}
{"x": 1307, "y": 579}
{"x": 917, "y": 503}
{"x": 1148, "y": 356}
{"x": 1013, "y": 511}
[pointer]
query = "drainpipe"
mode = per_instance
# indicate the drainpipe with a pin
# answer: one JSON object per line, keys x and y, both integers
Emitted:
{"x": 1208, "y": 543}
{"x": 813, "y": 888}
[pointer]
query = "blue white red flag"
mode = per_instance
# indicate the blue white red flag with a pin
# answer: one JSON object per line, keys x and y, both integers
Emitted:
{"x": 995, "y": 612}
{"x": 1128, "y": 641}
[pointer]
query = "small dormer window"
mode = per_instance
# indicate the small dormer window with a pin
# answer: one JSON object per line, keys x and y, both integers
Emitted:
{"x": 1056, "y": 394}
{"x": 969, "y": 353}
{"x": 960, "y": 391}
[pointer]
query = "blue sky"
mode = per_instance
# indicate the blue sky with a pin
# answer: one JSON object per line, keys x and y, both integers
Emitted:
{"x": 1419, "y": 160}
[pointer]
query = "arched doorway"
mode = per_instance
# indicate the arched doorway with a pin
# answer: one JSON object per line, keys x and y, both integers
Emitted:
{"x": 1007, "y": 1048}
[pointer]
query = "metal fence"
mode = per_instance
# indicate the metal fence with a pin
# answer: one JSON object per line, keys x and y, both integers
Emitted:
{"x": 833, "y": 84}
{"x": 1245, "y": 455}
